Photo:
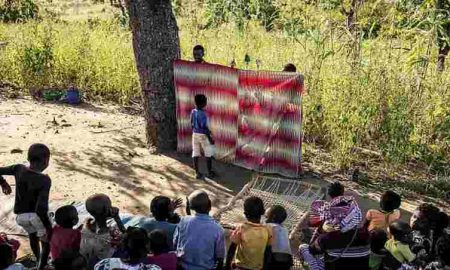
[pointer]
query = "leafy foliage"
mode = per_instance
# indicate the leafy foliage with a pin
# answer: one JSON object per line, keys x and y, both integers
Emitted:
{"x": 18, "y": 10}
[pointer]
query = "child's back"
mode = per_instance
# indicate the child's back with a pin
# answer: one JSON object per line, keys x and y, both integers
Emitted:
{"x": 397, "y": 245}
{"x": 160, "y": 251}
{"x": 388, "y": 212}
{"x": 32, "y": 191}
{"x": 199, "y": 240}
{"x": 98, "y": 240}
{"x": 252, "y": 240}
{"x": 64, "y": 237}
{"x": 281, "y": 247}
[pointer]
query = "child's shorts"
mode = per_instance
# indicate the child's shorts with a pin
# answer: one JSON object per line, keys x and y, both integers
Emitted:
{"x": 200, "y": 142}
{"x": 31, "y": 223}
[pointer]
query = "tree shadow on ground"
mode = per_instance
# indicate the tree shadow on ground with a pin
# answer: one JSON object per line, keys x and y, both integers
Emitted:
{"x": 140, "y": 176}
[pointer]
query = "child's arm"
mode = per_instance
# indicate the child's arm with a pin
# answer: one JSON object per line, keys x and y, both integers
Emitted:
{"x": 116, "y": 217}
{"x": 230, "y": 256}
{"x": 367, "y": 219}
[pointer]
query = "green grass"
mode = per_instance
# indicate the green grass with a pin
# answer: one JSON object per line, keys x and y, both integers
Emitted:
{"x": 376, "y": 103}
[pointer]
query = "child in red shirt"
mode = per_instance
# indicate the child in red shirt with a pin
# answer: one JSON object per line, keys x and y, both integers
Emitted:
{"x": 160, "y": 254}
{"x": 64, "y": 237}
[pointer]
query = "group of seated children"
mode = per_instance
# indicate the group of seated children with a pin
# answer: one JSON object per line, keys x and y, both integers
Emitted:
{"x": 343, "y": 239}
{"x": 381, "y": 241}
{"x": 165, "y": 241}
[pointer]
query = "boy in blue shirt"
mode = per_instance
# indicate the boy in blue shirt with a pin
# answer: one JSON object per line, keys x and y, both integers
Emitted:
{"x": 199, "y": 240}
{"x": 201, "y": 136}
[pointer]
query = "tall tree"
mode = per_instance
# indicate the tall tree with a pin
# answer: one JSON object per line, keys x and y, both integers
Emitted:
{"x": 156, "y": 45}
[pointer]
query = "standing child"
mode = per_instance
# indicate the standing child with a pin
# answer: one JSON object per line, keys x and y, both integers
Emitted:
{"x": 198, "y": 239}
{"x": 398, "y": 244}
{"x": 201, "y": 136}
{"x": 251, "y": 239}
{"x": 31, "y": 202}
{"x": 98, "y": 240}
{"x": 64, "y": 236}
{"x": 160, "y": 251}
{"x": 281, "y": 247}
{"x": 388, "y": 212}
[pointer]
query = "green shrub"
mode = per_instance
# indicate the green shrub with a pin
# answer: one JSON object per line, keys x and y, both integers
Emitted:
{"x": 12, "y": 11}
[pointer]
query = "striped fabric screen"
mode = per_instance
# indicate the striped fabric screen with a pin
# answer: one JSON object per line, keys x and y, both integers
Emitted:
{"x": 255, "y": 116}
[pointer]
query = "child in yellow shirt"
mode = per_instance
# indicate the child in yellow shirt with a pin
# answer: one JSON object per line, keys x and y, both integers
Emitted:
{"x": 250, "y": 248}
{"x": 398, "y": 244}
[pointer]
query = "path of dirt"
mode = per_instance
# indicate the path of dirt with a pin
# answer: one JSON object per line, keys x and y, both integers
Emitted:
{"x": 100, "y": 149}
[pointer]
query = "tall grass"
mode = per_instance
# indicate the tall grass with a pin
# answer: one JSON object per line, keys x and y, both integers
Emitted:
{"x": 95, "y": 55}
{"x": 388, "y": 98}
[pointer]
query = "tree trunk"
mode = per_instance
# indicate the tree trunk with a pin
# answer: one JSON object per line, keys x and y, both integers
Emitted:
{"x": 443, "y": 52}
{"x": 156, "y": 45}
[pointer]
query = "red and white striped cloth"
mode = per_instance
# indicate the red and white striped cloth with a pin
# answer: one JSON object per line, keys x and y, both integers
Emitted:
{"x": 255, "y": 116}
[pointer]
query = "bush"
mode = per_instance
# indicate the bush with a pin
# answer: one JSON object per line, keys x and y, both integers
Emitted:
{"x": 13, "y": 11}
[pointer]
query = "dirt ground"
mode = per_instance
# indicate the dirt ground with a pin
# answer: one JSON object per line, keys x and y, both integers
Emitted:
{"x": 100, "y": 149}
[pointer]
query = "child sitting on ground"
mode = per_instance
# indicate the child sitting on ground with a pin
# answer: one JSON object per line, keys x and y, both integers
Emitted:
{"x": 31, "y": 202}
{"x": 281, "y": 247}
{"x": 162, "y": 209}
{"x": 398, "y": 245}
{"x": 7, "y": 258}
{"x": 64, "y": 237}
{"x": 251, "y": 239}
{"x": 136, "y": 242}
{"x": 160, "y": 254}
{"x": 388, "y": 212}
{"x": 341, "y": 213}
{"x": 199, "y": 240}
{"x": 201, "y": 136}
{"x": 98, "y": 240}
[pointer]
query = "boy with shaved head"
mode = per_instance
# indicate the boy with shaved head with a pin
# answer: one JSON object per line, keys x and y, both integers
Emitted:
{"x": 31, "y": 199}
{"x": 98, "y": 240}
{"x": 199, "y": 240}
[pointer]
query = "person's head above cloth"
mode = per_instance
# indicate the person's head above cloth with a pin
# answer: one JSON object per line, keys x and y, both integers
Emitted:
{"x": 198, "y": 52}
{"x": 289, "y": 68}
